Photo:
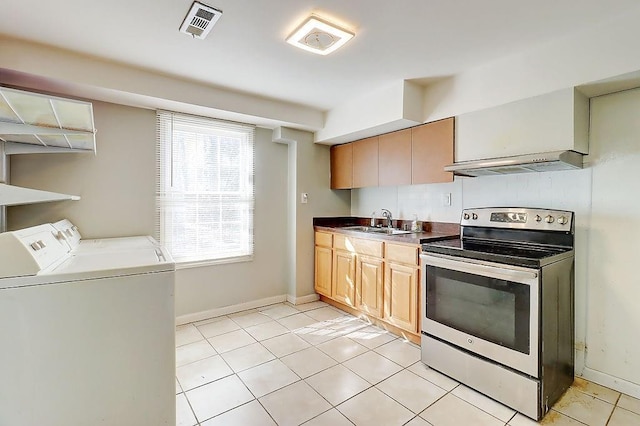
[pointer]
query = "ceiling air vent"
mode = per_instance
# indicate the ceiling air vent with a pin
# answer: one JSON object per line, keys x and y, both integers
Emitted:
{"x": 200, "y": 19}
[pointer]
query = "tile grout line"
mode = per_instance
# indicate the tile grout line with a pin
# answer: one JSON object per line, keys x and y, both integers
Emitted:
{"x": 572, "y": 418}
{"x": 614, "y": 408}
{"x": 411, "y": 372}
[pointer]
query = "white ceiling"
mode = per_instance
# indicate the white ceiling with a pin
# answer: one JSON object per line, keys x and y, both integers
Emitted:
{"x": 408, "y": 39}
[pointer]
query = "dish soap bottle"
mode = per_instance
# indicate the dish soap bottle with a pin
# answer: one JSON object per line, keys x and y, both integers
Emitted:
{"x": 414, "y": 224}
{"x": 373, "y": 219}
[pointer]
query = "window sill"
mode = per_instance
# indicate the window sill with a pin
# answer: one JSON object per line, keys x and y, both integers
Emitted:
{"x": 212, "y": 262}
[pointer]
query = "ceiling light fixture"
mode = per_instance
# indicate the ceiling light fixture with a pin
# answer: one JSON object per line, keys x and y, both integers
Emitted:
{"x": 319, "y": 36}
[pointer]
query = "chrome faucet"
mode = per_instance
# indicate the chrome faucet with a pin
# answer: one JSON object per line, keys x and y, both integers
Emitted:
{"x": 387, "y": 215}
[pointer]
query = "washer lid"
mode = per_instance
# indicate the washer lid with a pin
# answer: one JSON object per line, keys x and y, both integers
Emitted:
{"x": 114, "y": 263}
{"x": 116, "y": 244}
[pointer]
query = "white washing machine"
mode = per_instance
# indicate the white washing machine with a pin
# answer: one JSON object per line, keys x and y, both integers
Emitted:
{"x": 87, "y": 335}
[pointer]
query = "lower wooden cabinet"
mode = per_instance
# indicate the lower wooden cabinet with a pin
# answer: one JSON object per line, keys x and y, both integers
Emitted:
{"x": 401, "y": 296}
{"x": 369, "y": 289}
{"x": 343, "y": 286}
{"x": 380, "y": 279}
{"x": 323, "y": 267}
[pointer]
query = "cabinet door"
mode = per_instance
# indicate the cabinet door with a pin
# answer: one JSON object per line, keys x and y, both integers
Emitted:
{"x": 323, "y": 262}
{"x": 365, "y": 162}
{"x": 369, "y": 290}
{"x": 343, "y": 284}
{"x": 401, "y": 296}
{"x": 342, "y": 166}
{"x": 432, "y": 149}
{"x": 324, "y": 239}
{"x": 395, "y": 158}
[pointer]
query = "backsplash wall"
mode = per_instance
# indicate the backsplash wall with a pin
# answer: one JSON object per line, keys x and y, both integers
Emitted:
{"x": 405, "y": 201}
{"x": 566, "y": 190}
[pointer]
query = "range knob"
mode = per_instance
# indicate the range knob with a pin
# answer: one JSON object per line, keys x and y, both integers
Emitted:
{"x": 562, "y": 220}
{"x": 549, "y": 219}
{"x": 538, "y": 218}
{"x": 474, "y": 216}
{"x": 466, "y": 216}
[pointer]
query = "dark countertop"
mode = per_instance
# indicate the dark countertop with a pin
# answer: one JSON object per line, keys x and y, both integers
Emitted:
{"x": 431, "y": 231}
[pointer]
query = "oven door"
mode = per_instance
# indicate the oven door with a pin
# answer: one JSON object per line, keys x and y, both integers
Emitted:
{"x": 487, "y": 308}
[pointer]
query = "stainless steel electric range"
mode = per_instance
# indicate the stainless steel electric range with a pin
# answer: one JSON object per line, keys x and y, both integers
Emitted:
{"x": 497, "y": 305}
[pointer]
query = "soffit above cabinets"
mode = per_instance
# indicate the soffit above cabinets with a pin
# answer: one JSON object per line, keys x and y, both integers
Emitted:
{"x": 32, "y": 122}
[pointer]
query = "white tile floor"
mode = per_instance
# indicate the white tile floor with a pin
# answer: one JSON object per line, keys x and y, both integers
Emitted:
{"x": 315, "y": 365}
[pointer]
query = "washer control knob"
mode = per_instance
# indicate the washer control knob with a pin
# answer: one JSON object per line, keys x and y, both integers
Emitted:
{"x": 562, "y": 220}
{"x": 549, "y": 219}
{"x": 538, "y": 218}
{"x": 474, "y": 216}
{"x": 466, "y": 216}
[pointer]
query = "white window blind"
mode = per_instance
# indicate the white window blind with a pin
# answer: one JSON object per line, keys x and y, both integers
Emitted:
{"x": 205, "y": 192}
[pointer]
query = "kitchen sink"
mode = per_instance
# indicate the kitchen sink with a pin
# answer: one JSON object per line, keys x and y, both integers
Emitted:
{"x": 376, "y": 230}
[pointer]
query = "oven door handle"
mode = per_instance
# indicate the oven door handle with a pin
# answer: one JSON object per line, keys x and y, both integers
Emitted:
{"x": 508, "y": 273}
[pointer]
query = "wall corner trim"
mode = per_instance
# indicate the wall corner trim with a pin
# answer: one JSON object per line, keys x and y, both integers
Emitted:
{"x": 303, "y": 299}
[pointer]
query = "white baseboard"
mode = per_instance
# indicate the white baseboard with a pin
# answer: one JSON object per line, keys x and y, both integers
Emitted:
{"x": 621, "y": 385}
{"x": 303, "y": 299}
{"x": 226, "y": 310}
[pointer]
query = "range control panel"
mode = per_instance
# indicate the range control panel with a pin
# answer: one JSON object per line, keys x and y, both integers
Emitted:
{"x": 519, "y": 218}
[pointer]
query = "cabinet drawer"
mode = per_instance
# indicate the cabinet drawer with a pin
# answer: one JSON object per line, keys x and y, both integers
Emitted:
{"x": 357, "y": 245}
{"x": 324, "y": 239}
{"x": 402, "y": 254}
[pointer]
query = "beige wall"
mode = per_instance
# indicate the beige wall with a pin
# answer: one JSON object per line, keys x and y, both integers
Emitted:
{"x": 313, "y": 177}
{"x": 208, "y": 288}
{"x": 613, "y": 349}
{"x": 309, "y": 173}
{"x": 117, "y": 187}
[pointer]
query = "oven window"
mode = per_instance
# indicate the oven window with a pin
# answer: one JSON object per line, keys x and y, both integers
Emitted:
{"x": 491, "y": 309}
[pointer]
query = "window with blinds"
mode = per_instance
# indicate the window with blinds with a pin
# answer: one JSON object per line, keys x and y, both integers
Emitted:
{"x": 205, "y": 192}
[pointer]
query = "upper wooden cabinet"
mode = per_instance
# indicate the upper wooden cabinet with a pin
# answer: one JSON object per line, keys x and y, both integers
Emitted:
{"x": 365, "y": 162}
{"x": 410, "y": 156}
{"x": 432, "y": 149}
{"x": 342, "y": 166}
{"x": 394, "y": 150}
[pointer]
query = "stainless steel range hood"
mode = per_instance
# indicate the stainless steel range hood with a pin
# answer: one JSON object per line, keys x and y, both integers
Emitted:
{"x": 549, "y": 132}
{"x": 545, "y": 162}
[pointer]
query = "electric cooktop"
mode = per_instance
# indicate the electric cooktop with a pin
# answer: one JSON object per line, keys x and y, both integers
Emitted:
{"x": 517, "y": 254}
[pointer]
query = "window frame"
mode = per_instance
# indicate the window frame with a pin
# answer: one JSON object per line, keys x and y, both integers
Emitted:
{"x": 170, "y": 200}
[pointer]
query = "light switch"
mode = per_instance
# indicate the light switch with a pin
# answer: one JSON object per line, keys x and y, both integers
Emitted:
{"x": 304, "y": 198}
{"x": 446, "y": 199}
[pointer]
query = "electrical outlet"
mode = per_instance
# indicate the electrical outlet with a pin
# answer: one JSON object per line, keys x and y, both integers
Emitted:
{"x": 446, "y": 199}
{"x": 304, "y": 198}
